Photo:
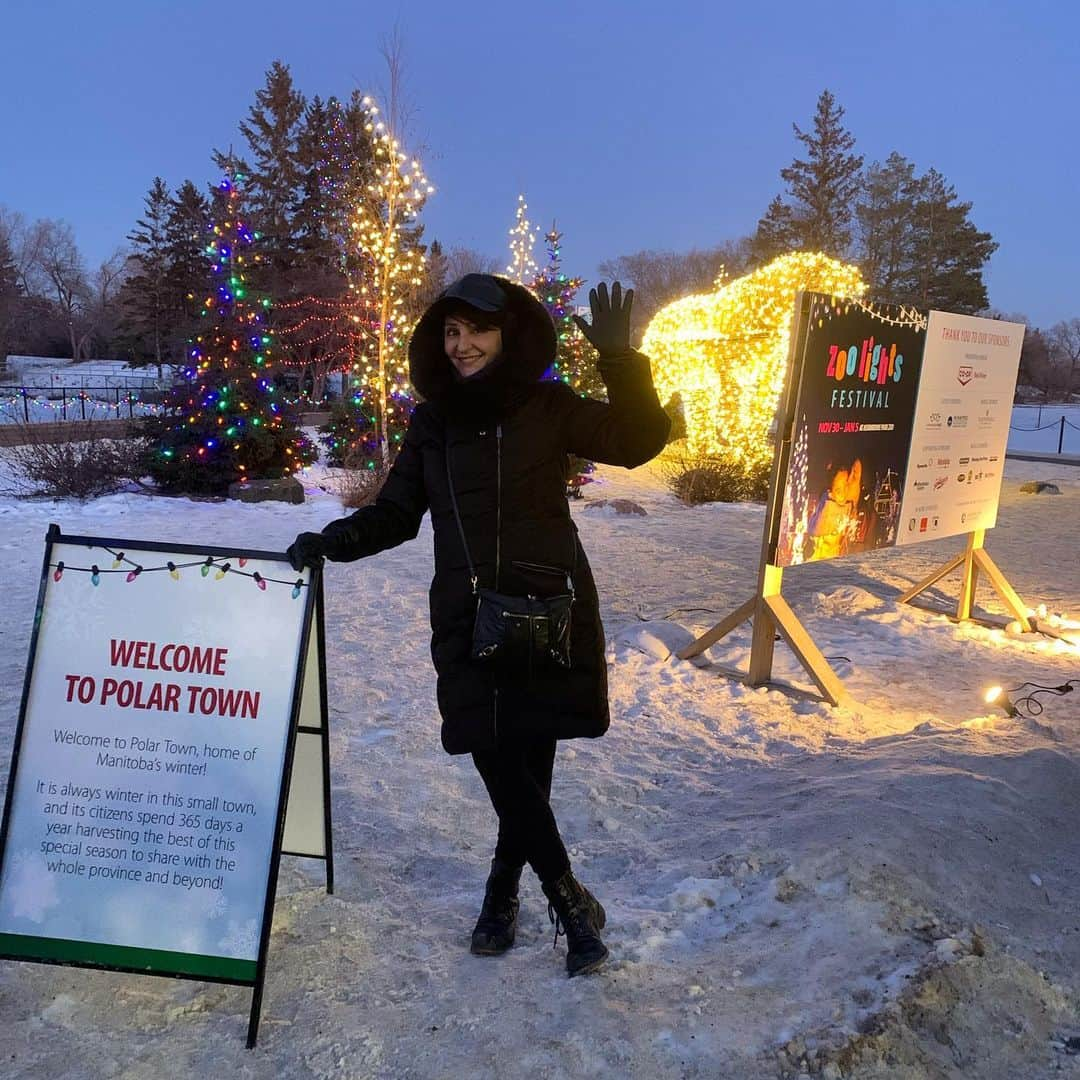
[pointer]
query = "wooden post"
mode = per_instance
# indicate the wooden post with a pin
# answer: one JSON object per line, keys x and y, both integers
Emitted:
{"x": 975, "y": 558}
{"x": 767, "y": 609}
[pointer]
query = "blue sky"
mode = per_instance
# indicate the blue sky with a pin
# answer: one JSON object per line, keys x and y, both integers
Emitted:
{"x": 636, "y": 126}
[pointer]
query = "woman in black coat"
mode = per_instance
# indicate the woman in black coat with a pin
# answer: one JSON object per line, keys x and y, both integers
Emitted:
{"x": 486, "y": 454}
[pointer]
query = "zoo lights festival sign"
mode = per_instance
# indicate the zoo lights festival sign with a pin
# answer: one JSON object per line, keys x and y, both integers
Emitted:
{"x": 859, "y": 365}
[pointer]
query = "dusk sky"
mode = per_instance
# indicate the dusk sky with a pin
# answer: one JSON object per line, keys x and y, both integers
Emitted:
{"x": 635, "y": 125}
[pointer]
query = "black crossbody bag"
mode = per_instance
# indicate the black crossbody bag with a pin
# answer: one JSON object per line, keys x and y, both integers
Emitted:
{"x": 517, "y": 631}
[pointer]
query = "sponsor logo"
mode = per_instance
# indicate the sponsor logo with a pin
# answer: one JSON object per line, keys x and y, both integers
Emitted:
{"x": 963, "y": 518}
{"x": 940, "y": 482}
{"x": 956, "y": 421}
{"x": 964, "y": 461}
{"x": 971, "y": 473}
{"x": 934, "y": 420}
{"x": 911, "y": 525}
{"x": 921, "y": 485}
{"x": 934, "y": 523}
{"x": 994, "y": 457}
{"x": 964, "y": 375}
{"x": 922, "y": 524}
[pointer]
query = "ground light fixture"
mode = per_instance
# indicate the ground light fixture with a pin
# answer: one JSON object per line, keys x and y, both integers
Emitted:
{"x": 996, "y": 695}
{"x": 1029, "y": 704}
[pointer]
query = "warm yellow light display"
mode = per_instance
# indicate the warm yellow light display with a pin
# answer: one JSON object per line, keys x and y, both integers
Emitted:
{"x": 725, "y": 353}
{"x": 393, "y": 267}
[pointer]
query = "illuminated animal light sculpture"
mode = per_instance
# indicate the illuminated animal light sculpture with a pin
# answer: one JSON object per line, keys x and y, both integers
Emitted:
{"x": 725, "y": 352}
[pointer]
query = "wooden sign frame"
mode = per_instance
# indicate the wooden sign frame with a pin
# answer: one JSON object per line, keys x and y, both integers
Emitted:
{"x": 767, "y": 610}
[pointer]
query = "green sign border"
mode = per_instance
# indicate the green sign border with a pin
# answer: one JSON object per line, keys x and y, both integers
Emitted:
{"x": 148, "y": 961}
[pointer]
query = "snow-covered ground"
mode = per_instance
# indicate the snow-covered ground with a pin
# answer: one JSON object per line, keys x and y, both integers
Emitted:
{"x": 886, "y": 890}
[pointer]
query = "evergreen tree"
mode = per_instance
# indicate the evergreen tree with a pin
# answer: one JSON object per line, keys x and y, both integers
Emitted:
{"x": 11, "y": 296}
{"x": 822, "y": 188}
{"x": 224, "y": 424}
{"x": 776, "y": 233}
{"x": 274, "y": 177}
{"x": 917, "y": 244}
{"x": 949, "y": 251}
{"x": 522, "y": 268}
{"x": 145, "y": 296}
{"x": 886, "y": 215}
{"x": 315, "y": 321}
{"x": 187, "y": 230}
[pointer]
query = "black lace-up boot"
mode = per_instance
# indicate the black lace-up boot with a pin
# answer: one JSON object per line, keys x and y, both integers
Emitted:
{"x": 494, "y": 932}
{"x": 580, "y": 916}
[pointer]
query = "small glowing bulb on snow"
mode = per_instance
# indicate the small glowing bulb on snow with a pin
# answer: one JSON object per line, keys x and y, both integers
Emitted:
{"x": 996, "y": 695}
{"x": 134, "y": 573}
{"x": 243, "y": 561}
{"x": 58, "y": 573}
{"x": 95, "y": 575}
{"x": 297, "y": 587}
{"x": 173, "y": 572}
{"x": 222, "y": 572}
{"x": 205, "y": 568}
{"x": 119, "y": 559}
{"x": 259, "y": 580}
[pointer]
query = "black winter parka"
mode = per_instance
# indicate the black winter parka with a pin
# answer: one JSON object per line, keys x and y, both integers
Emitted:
{"x": 507, "y": 436}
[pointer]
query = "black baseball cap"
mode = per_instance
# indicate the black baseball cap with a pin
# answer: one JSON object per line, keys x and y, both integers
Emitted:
{"x": 480, "y": 291}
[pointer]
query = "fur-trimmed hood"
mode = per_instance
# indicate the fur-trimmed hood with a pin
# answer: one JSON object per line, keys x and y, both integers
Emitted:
{"x": 529, "y": 348}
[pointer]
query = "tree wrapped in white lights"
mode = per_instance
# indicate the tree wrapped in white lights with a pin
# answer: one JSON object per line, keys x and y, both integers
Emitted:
{"x": 725, "y": 353}
{"x": 522, "y": 268}
{"x": 385, "y": 236}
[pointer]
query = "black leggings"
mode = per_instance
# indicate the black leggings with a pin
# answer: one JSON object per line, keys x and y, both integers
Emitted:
{"x": 518, "y": 779}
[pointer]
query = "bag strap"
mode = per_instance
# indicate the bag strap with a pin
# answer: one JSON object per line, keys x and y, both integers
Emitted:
{"x": 457, "y": 518}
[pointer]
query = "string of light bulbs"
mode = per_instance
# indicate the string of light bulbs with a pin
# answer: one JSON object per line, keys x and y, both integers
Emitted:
{"x": 134, "y": 570}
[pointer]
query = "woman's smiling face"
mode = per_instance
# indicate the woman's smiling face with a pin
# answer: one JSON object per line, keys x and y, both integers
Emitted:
{"x": 469, "y": 348}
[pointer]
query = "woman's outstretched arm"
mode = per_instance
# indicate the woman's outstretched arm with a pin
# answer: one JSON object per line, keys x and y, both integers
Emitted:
{"x": 391, "y": 519}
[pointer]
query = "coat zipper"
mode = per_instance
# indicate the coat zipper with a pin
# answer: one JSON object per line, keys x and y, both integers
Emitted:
{"x": 498, "y": 501}
{"x": 498, "y": 557}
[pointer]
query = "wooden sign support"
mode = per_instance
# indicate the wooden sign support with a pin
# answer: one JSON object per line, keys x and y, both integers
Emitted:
{"x": 974, "y": 558}
{"x": 771, "y": 614}
{"x": 767, "y": 609}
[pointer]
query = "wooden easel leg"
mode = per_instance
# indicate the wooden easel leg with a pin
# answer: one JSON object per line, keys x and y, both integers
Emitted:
{"x": 721, "y": 629}
{"x": 933, "y": 579}
{"x": 762, "y": 644}
{"x": 1002, "y": 587}
{"x": 971, "y": 578}
{"x": 808, "y": 654}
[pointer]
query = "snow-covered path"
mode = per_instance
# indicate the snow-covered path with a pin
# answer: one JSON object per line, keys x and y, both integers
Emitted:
{"x": 890, "y": 889}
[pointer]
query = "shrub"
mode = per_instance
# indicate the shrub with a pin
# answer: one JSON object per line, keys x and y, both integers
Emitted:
{"x": 358, "y": 487}
{"x": 705, "y": 478}
{"x": 77, "y": 459}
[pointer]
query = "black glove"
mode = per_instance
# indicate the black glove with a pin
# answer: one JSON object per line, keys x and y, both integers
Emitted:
{"x": 609, "y": 333}
{"x": 308, "y": 549}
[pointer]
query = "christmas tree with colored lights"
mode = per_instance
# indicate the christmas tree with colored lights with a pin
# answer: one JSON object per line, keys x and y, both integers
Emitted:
{"x": 224, "y": 423}
{"x": 575, "y": 359}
